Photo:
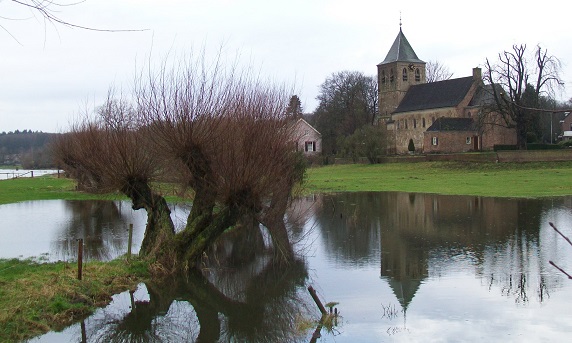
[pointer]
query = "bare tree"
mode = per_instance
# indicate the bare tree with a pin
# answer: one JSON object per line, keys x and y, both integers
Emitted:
{"x": 517, "y": 82}
{"x": 348, "y": 101}
{"x": 112, "y": 153}
{"x": 224, "y": 135}
{"x": 436, "y": 71}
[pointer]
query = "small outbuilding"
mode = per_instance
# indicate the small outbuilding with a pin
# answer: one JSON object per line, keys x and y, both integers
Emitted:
{"x": 448, "y": 135}
{"x": 308, "y": 139}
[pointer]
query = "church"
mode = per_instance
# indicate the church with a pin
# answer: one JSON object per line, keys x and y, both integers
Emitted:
{"x": 438, "y": 117}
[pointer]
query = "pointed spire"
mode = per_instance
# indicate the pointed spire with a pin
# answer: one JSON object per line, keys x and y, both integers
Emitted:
{"x": 401, "y": 50}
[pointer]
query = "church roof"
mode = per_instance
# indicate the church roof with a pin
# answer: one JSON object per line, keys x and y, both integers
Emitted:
{"x": 401, "y": 51}
{"x": 452, "y": 124}
{"x": 447, "y": 93}
{"x": 404, "y": 290}
{"x": 484, "y": 95}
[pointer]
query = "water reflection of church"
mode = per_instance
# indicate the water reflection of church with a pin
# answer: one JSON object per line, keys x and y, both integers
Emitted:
{"x": 420, "y": 235}
{"x": 423, "y": 223}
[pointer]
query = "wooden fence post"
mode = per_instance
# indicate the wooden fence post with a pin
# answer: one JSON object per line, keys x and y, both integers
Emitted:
{"x": 79, "y": 258}
{"x": 129, "y": 241}
{"x": 316, "y": 299}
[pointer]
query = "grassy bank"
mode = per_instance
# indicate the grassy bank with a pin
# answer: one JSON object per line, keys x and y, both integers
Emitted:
{"x": 40, "y": 188}
{"x": 36, "y": 298}
{"x": 50, "y": 187}
{"x": 535, "y": 179}
{"x": 484, "y": 179}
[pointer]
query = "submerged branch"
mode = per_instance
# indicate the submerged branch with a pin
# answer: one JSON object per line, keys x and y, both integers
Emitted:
{"x": 561, "y": 234}
{"x": 569, "y": 242}
{"x": 560, "y": 269}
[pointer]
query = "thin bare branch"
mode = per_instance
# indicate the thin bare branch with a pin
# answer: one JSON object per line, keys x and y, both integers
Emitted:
{"x": 45, "y": 8}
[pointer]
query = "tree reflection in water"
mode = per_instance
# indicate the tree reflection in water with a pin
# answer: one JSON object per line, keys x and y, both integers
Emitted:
{"x": 393, "y": 245}
{"x": 236, "y": 297}
{"x": 102, "y": 226}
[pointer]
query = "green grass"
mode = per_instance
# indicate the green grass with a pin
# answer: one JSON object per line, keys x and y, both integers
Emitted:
{"x": 40, "y": 188}
{"x": 535, "y": 179}
{"x": 50, "y": 187}
{"x": 485, "y": 179}
{"x": 39, "y": 297}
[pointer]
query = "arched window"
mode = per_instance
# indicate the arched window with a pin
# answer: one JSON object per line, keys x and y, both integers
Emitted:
{"x": 423, "y": 122}
{"x": 391, "y": 77}
{"x": 406, "y": 123}
{"x": 417, "y": 75}
{"x": 383, "y": 77}
{"x": 414, "y": 123}
{"x": 404, "y": 74}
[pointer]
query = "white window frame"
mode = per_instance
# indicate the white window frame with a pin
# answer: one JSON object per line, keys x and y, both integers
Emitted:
{"x": 434, "y": 141}
{"x": 468, "y": 140}
{"x": 310, "y": 146}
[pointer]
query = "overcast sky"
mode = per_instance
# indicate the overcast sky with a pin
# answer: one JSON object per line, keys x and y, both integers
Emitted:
{"x": 50, "y": 73}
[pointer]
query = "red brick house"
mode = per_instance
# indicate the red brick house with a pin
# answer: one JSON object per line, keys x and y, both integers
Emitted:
{"x": 566, "y": 127}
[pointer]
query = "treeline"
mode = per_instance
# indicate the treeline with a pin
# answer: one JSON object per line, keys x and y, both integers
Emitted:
{"x": 26, "y": 148}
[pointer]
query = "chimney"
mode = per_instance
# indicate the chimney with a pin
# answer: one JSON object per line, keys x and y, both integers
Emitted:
{"x": 477, "y": 75}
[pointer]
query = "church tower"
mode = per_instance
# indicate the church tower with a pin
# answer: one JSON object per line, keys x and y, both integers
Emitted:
{"x": 400, "y": 69}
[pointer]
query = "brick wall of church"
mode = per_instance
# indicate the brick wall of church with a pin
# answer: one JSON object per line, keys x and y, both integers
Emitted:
{"x": 449, "y": 141}
{"x": 413, "y": 125}
{"x": 497, "y": 135}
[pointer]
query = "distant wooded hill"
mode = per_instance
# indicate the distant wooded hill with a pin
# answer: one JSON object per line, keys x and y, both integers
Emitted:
{"x": 26, "y": 148}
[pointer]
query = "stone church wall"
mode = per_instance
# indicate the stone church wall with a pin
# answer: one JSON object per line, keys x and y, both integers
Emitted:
{"x": 449, "y": 141}
{"x": 413, "y": 125}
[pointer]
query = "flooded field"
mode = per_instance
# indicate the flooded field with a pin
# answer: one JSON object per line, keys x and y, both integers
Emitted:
{"x": 403, "y": 268}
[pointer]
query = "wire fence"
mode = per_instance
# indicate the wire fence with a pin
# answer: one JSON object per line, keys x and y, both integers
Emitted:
{"x": 7, "y": 174}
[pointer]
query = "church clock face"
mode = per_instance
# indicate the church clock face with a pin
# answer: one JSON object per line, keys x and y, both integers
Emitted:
{"x": 411, "y": 67}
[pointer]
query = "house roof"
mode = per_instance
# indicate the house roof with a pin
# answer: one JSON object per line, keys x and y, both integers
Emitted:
{"x": 485, "y": 95}
{"x": 452, "y": 124}
{"x": 303, "y": 122}
{"x": 447, "y": 93}
{"x": 401, "y": 51}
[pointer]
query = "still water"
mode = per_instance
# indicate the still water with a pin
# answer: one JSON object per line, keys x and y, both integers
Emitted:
{"x": 50, "y": 229}
{"x": 403, "y": 268}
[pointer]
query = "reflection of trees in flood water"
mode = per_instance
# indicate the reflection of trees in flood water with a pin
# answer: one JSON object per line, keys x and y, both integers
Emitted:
{"x": 237, "y": 297}
{"x": 99, "y": 223}
{"x": 242, "y": 294}
{"x": 422, "y": 235}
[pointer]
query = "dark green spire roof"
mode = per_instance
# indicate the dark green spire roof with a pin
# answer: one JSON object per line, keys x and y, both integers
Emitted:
{"x": 401, "y": 51}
